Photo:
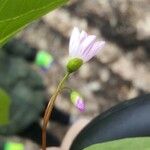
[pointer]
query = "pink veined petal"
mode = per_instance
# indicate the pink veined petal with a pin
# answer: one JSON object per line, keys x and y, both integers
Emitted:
{"x": 86, "y": 45}
{"x": 96, "y": 47}
{"x": 74, "y": 41}
{"x": 83, "y": 35}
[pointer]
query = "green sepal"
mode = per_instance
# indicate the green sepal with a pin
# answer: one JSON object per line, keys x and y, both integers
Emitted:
{"x": 73, "y": 96}
{"x": 74, "y": 64}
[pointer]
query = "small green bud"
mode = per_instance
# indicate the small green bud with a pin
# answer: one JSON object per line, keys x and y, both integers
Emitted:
{"x": 77, "y": 100}
{"x": 74, "y": 64}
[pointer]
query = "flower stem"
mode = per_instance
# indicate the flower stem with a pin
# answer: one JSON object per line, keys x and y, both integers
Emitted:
{"x": 49, "y": 109}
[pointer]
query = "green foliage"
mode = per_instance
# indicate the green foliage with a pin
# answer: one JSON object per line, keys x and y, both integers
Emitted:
{"x": 13, "y": 146}
{"x": 4, "y": 107}
{"x": 15, "y": 14}
{"x": 123, "y": 144}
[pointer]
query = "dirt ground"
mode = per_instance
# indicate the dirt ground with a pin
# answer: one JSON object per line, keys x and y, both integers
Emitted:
{"x": 119, "y": 72}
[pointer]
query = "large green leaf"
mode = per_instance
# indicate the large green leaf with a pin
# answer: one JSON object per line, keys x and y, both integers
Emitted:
{"x": 124, "y": 144}
{"x": 4, "y": 107}
{"x": 15, "y": 14}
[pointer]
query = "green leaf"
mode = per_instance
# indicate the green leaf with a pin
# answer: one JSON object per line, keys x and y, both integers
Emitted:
{"x": 123, "y": 144}
{"x": 4, "y": 107}
{"x": 15, "y": 14}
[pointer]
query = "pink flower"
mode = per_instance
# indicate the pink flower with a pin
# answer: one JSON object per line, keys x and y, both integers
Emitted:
{"x": 83, "y": 46}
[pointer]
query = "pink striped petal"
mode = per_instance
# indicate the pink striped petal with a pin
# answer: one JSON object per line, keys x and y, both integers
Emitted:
{"x": 83, "y": 35}
{"x": 86, "y": 45}
{"x": 96, "y": 47}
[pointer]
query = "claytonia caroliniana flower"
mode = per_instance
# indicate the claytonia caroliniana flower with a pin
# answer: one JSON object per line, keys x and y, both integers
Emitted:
{"x": 77, "y": 100}
{"x": 82, "y": 48}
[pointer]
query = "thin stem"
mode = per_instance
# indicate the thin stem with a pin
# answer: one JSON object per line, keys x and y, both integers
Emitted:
{"x": 49, "y": 108}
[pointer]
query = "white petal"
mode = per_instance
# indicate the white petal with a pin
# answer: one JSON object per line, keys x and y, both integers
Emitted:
{"x": 96, "y": 47}
{"x": 74, "y": 41}
{"x": 77, "y": 51}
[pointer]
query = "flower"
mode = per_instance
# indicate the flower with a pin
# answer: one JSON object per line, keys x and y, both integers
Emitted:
{"x": 83, "y": 46}
{"x": 77, "y": 100}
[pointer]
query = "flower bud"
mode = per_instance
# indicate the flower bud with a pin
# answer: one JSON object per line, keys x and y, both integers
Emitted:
{"x": 74, "y": 64}
{"x": 77, "y": 100}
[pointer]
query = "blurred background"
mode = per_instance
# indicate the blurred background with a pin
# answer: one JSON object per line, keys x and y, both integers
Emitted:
{"x": 121, "y": 71}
